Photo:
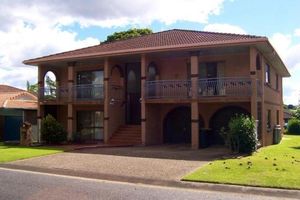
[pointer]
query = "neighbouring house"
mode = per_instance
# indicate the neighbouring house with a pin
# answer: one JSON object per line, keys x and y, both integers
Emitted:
{"x": 16, "y": 107}
{"x": 175, "y": 86}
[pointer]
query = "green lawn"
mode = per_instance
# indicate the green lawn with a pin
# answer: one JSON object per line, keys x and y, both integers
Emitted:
{"x": 273, "y": 166}
{"x": 13, "y": 152}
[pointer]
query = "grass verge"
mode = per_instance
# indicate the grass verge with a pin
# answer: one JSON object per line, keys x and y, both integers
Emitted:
{"x": 12, "y": 152}
{"x": 273, "y": 166}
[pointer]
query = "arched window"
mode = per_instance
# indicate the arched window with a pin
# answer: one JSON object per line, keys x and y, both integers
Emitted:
{"x": 131, "y": 82}
{"x": 258, "y": 62}
{"x": 50, "y": 85}
{"x": 152, "y": 71}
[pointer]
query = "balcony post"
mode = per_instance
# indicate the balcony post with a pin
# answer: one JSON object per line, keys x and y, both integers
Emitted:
{"x": 106, "y": 100}
{"x": 253, "y": 77}
{"x": 40, "y": 113}
{"x": 143, "y": 103}
{"x": 70, "y": 95}
{"x": 194, "y": 103}
{"x": 263, "y": 111}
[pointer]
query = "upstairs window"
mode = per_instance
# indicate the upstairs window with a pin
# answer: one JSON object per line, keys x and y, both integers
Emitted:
{"x": 268, "y": 74}
{"x": 258, "y": 62}
{"x": 277, "y": 82}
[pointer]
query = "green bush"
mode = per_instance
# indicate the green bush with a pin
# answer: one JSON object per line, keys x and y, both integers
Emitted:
{"x": 52, "y": 131}
{"x": 241, "y": 136}
{"x": 293, "y": 126}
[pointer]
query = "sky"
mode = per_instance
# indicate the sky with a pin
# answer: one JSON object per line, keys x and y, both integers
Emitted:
{"x": 34, "y": 28}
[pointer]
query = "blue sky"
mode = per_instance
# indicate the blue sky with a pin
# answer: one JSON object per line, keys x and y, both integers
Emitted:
{"x": 36, "y": 28}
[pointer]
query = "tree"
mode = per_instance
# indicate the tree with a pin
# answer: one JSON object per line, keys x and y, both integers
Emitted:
{"x": 296, "y": 113}
{"x": 291, "y": 107}
{"x": 131, "y": 33}
{"x": 32, "y": 88}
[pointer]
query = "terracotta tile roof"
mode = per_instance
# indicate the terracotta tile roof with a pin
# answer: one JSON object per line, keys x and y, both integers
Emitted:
{"x": 11, "y": 97}
{"x": 156, "y": 41}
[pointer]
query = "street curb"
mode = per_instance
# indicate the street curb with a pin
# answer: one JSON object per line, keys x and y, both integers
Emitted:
{"x": 284, "y": 193}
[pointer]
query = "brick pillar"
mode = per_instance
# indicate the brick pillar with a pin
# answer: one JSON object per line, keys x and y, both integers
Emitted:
{"x": 253, "y": 77}
{"x": 70, "y": 98}
{"x": 40, "y": 113}
{"x": 106, "y": 100}
{"x": 263, "y": 108}
{"x": 143, "y": 103}
{"x": 194, "y": 103}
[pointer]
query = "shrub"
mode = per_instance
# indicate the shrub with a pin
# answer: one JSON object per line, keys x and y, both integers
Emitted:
{"x": 293, "y": 126}
{"x": 52, "y": 131}
{"x": 241, "y": 135}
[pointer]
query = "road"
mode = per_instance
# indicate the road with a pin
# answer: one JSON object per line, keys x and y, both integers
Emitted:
{"x": 17, "y": 184}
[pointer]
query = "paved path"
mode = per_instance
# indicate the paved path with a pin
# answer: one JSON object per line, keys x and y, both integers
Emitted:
{"x": 156, "y": 163}
{"x": 35, "y": 186}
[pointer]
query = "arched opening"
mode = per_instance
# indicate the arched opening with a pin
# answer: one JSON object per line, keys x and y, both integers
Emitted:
{"x": 177, "y": 126}
{"x": 151, "y": 76}
{"x": 221, "y": 119}
{"x": 258, "y": 62}
{"x": 152, "y": 72}
{"x": 50, "y": 85}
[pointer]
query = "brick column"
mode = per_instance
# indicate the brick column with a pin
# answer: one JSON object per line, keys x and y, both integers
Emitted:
{"x": 70, "y": 98}
{"x": 143, "y": 103}
{"x": 263, "y": 108}
{"x": 106, "y": 100}
{"x": 40, "y": 113}
{"x": 194, "y": 103}
{"x": 253, "y": 77}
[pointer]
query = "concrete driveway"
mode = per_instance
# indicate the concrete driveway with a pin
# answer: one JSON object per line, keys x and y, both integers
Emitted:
{"x": 133, "y": 164}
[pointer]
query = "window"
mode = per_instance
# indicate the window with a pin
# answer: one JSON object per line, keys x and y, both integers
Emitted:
{"x": 268, "y": 74}
{"x": 277, "y": 82}
{"x": 277, "y": 117}
{"x": 269, "y": 119}
{"x": 258, "y": 63}
{"x": 90, "y": 125}
{"x": 89, "y": 85}
{"x": 152, "y": 71}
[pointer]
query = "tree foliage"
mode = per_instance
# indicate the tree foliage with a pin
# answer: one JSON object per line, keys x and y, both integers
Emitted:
{"x": 296, "y": 113}
{"x": 131, "y": 33}
{"x": 33, "y": 88}
{"x": 241, "y": 135}
{"x": 52, "y": 131}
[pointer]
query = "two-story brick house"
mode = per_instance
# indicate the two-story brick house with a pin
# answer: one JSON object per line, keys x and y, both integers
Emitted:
{"x": 166, "y": 87}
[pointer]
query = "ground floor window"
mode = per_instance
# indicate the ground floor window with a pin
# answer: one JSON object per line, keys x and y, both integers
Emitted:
{"x": 90, "y": 125}
{"x": 268, "y": 119}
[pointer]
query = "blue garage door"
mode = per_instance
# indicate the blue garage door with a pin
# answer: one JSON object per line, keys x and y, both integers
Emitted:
{"x": 12, "y": 126}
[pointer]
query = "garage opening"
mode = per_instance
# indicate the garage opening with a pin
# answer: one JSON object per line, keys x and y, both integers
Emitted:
{"x": 221, "y": 119}
{"x": 177, "y": 126}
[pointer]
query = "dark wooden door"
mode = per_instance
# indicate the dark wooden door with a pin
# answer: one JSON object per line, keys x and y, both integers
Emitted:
{"x": 133, "y": 93}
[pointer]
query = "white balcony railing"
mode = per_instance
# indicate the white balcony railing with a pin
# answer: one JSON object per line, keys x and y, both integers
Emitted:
{"x": 83, "y": 92}
{"x": 214, "y": 87}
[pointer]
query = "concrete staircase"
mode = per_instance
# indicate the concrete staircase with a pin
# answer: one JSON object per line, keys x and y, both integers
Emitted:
{"x": 127, "y": 135}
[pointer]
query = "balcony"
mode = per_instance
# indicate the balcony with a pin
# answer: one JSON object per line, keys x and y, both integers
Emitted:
{"x": 168, "y": 89}
{"x": 207, "y": 88}
{"x": 76, "y": 93}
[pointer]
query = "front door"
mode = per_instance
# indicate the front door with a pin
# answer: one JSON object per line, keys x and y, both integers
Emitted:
{"x": 133, "y": 93}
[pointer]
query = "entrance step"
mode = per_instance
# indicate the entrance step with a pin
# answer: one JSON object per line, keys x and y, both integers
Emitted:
{"x": 127, "y": 135}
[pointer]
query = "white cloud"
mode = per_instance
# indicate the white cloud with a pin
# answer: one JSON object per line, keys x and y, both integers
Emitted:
{"x": 289, "y": 51}
{"x": 35, "y": 28}
{"x": 297, "y": 32}
{"x": 107, "y": 13}
{"x": 23, "y": 42}
{"x": 224, "y": 28}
